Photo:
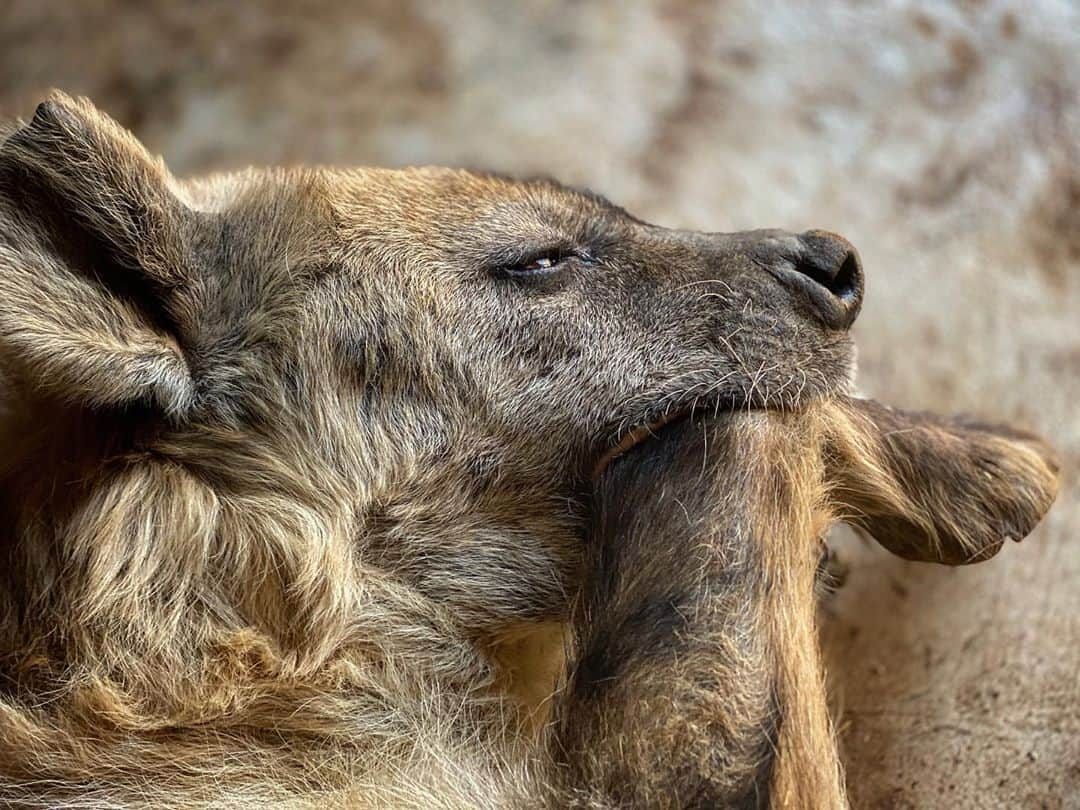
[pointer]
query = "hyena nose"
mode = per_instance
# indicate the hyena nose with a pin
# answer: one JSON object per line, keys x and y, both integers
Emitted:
{"x": 820, "y": 268}
{"x": 825, "y": 269}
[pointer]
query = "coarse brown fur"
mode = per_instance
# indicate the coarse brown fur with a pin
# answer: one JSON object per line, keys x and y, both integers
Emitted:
{"x": 296, "y": 502}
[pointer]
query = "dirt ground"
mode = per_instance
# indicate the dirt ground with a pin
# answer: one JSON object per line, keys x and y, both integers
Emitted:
{"x": 943, "y": 139}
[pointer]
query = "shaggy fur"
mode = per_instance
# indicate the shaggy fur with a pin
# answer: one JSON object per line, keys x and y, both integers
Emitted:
{"x": 295, "y": 492}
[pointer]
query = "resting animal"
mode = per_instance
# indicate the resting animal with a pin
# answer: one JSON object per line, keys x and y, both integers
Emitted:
{"x": 296, "y": 489}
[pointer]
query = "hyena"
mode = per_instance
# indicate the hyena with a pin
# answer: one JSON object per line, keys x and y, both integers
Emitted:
{"x": 298, "y": 500}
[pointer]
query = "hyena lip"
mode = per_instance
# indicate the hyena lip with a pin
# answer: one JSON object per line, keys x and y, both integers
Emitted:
{"x": 630, "y": 440}
{"x": 648, "y": 430}
{"x": 652, "y": 422}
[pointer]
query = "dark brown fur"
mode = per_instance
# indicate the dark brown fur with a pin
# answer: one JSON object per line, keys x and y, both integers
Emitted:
{"x": 295, "y": 495}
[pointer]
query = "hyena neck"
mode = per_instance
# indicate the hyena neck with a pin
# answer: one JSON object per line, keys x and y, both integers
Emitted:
{"x": 718, "y": 656}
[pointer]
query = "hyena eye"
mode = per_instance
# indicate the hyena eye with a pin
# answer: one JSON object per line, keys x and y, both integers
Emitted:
{"x": 538, "y": 264}
{"x": 545, "y": 262}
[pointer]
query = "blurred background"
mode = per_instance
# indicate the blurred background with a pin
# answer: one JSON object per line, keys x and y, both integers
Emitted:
{"x": 942, "y": 138}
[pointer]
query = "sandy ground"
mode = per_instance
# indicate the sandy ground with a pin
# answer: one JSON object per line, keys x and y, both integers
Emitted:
{"x": 943, "y": 139}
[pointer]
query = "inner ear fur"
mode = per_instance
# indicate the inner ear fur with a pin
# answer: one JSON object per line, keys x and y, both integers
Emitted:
{"x": 936, "y": 489}
{"x": 93, "y": 244}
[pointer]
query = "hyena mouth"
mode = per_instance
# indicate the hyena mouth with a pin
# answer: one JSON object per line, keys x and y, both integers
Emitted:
{"x": 632, "y": 439}
{"x": 652, "y": 421}
{"x": 649, "y": 429}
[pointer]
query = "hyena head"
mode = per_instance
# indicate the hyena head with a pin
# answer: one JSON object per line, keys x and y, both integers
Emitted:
{"x": 502, "y": 337}
{"x": 438, "y": 358}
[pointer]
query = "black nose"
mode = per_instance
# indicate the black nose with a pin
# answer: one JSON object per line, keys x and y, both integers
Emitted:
{"x": 825, "y": 269}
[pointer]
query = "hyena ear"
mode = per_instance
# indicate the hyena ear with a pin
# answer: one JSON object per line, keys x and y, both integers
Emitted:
{"x": 936, "y": 489}
{"x": 93, "y": 244}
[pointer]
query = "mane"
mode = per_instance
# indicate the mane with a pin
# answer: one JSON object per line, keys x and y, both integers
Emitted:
{"x": 171, "y": 640}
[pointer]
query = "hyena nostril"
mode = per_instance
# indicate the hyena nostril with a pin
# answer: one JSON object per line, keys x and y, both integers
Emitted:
{"x": 833, "y": 264}
{"x": 844, "y": 282}
{"x": 826, "y": 271}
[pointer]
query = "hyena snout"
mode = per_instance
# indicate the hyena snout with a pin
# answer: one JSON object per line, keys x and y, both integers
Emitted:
{"x": 821, "y": 268}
